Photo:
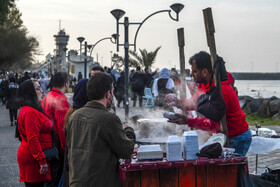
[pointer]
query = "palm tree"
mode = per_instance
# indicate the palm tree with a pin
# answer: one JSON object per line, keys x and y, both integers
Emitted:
{"x": 118, "y": 61}
{"x": 147, "y": 59}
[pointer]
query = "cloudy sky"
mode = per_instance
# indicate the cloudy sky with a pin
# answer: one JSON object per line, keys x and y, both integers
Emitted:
{"x": 247, "y": 31}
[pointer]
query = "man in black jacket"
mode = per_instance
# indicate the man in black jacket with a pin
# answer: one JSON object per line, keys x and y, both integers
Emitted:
{"x": 138, "y": 85}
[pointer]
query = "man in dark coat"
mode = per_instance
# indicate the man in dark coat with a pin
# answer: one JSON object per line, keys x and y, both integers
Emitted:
{"x": 4, "y": 85}
{"x": 12, "y": 104}
{"x": 138, "y": 82}
{"x": 25, "y": 77}
{"x": 96, "y": 138}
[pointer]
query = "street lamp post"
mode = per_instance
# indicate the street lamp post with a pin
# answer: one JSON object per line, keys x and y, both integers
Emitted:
{"x": 90, "y": 49}
{"x": 118, "y": 13}
{"x": 111, "y": 58}
{"x": 114, "y": 36}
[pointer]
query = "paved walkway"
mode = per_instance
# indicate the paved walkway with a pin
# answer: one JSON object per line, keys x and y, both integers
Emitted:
{"x": 9, "y": 172}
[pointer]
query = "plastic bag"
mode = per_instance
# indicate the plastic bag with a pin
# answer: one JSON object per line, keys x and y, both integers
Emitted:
{"x": 217, "y": 137}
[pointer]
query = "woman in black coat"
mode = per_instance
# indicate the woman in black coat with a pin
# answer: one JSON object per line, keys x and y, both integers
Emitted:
{"x": 12, "y": 105}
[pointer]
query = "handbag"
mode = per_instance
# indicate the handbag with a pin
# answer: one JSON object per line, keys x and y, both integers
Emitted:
{"x": 211, "y": 105}
{"x": 50, "y": 154}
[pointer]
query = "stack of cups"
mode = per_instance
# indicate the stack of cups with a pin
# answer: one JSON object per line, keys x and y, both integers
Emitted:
{"x": 173, "y": 148}
{"x": 190, "y": 145}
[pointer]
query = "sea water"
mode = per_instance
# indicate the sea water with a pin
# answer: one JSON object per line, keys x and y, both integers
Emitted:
{"x": 258, "y": 88}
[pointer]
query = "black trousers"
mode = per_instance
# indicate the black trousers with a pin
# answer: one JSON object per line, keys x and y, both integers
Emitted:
{"x": 34, "y": 184}
{"x": 56, "y": 171}
{"x": 13, "y": 114}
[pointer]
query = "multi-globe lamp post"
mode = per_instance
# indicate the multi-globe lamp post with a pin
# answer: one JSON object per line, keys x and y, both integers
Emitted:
{"x": 91, "y": 47}
{"x": 118, "y": 13}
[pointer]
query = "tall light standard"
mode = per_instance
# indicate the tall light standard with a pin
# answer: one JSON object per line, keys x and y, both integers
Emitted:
{"x": 112, "y": 39}
{"x": 111, "y": 58}
{"x": 90, "y": 49}
{"x": 118, "y": 13}
{"x": 81, "y": 39}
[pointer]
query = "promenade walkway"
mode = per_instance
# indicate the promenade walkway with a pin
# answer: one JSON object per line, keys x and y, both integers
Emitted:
{"x": 9, "y": 171}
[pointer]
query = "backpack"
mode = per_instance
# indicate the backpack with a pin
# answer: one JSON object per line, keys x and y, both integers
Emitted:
{"x": 139, "y": 84}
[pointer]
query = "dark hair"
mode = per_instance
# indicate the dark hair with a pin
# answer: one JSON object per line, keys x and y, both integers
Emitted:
{"x": 202, "y": 60}
{"x": 80, "y": 95}
{"x": 138, "y": 68}
{"x": 98, "y": 68}
{"x": 59, "y": 79}
{"x": 109, "y": 70}
{"x": 98, "y": 85}
{"x": 12, "y": 79}
{"x": 26, "y": 95}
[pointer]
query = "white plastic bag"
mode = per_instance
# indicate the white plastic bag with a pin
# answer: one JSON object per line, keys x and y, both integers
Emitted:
{"x": 216, "y": 137}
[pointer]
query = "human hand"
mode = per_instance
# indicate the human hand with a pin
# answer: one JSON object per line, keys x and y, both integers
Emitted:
{"x": 43, "y": 169}
{"x": 183, "y": 119}
{"x": 125, "y": 125}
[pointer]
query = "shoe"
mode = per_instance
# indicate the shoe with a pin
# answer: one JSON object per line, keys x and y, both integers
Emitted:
{"x": 12, "y": 123}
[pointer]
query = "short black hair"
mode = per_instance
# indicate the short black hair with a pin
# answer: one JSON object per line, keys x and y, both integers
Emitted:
{"x": 138, "y": 68}
{"x": 96, "y": 68}
{"x": 202, "y": 60}
{"x": 59, "y": 79}
{"x": 98, "y": 85}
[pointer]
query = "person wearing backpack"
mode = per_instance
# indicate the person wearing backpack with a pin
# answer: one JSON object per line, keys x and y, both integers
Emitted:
{"x": 138, "y": 85}
{"x": 12, "y": 104}
{"x": 162, "y": 86}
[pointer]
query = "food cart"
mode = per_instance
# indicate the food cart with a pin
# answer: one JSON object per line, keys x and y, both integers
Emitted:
{"x": 199, "y": 172}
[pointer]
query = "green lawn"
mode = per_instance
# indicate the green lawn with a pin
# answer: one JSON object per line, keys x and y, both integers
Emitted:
{"x": 252, "y": 119}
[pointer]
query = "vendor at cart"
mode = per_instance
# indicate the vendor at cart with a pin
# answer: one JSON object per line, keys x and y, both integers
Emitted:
{"x": 238, "y": 129}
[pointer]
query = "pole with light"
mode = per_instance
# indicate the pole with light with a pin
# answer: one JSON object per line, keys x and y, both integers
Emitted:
{"x": 90, "y": 49}
{"x": 81, "y": 39}
{"x": 114, "y": 36}
{"x": 118, "y": 13}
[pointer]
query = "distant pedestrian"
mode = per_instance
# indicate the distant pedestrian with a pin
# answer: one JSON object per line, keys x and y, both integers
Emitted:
{"x": 44, "y": 84}
{"x": 55, "y": 105}
{"x": 149, "y": 77}
{"x": 4, "y": 85}
{"x": 162, "y": 86}
{"x": 35, "y": 131}
{"x": 25, "y": 77}
{"x": 138, "y": 85}
{"x": 80, "y": 76}
{"x": 12, "y": 104}
{"x": 119, "y": 90}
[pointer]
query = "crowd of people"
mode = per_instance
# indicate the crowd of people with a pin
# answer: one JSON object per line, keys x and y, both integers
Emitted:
{"x": 89, "y": 137}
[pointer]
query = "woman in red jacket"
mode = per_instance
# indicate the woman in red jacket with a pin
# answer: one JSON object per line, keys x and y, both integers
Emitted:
{"x": 35, "y": 131}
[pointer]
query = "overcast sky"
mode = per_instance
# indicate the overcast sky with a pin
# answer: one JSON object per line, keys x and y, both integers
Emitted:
{"x": 247, "y": 31}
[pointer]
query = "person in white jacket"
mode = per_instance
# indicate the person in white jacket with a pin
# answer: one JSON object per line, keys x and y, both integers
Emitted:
{"x": 162, "y": 86}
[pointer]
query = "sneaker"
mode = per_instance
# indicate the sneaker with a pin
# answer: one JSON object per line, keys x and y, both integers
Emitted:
{"x": 12, "y": 123}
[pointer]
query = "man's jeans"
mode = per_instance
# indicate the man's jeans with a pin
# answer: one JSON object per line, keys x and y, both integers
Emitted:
{"x": 241, "y": 143}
